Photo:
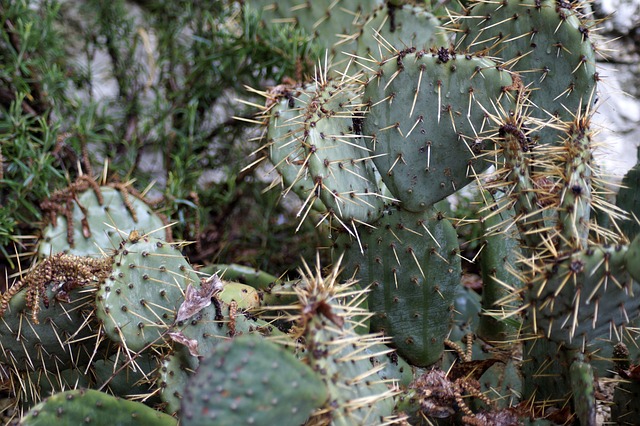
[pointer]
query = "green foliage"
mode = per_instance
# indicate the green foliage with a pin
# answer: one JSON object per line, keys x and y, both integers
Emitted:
{"x": 171, "y": 72}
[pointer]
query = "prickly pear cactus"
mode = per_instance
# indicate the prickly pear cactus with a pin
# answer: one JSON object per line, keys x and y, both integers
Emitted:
{"x": 87, "y": 406}
{"x": 100, "y": 218}
{"x": 425, "y": 118}
{"x": 123, "y": 377}
{"x": 209, "y": 328}
{"x": 584, "y": 296}
{"x": 30, "y": 346}
{"x": 245, "y": 296}
{"x": 328, "y": 318}
{"x": 498, "y": 264}
{"x": 138, "y": 302}
{"x": 249, "y": 380}
{"x": 332, "y": 23}
{"x": 320, "y": 152}
{"x": 243, "y": 274}
{"x": 629, "y": 199}
{"x": 410, "y": 261}
{"x": 547, "y": 42}
{"x": 583, "y": 386}
{"x": 285, "y": 128}
{"x": 389, "y": 29}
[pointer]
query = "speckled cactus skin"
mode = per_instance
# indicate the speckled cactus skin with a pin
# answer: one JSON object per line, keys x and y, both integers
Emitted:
{"x": 90, "y": 406}
{"x": 249, "y": 380}
{"x": 139, "y": 300}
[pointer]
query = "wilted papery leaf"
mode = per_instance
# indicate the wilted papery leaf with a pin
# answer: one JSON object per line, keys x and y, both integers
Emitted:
{"x": 192, "y": 344}
{"x": 196, "y": 299}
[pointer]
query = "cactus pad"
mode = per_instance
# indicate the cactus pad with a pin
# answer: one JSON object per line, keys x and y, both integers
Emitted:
{"x": 100, "y": 222}
{"x": 249, "y": 380}
{"x": 391, "y": 29}
{"x": 412, "y": 266}
{"x": 139, "y": 300}
{"x": 86, "y": 406}
{"x": 547, "y": 42}
{"x": 426, "y": 116}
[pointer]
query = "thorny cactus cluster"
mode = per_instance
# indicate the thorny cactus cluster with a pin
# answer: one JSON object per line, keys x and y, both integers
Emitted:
{"x": 413, "y": 109}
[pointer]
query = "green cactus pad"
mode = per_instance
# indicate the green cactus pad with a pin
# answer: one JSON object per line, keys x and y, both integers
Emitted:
{"x": 101, "y": 227}
{"x": 208, "y": 328}
{"x": 173, "y": 374}
{"x": 544, "y": 41}
{"x": 243, "y": 274}
{"x": 545, "y": 373}
{"x": 412, "y": 266}
{"x": 426, "y": 116}
{"x": 286, "y": 125}
{"x": 632, "y": 258}
{"x": 249, "y": 380}
{"x": 389, "y": 30}
{"x": 395, "y": 368}
{"x": 244, "y": 295}
{"x": 582, "y": 297}
{"x": 332, "y": 23}
{"x": 628, "y": 199}
{"x": 123, "y": 377}
{"x": 498, "y": 264}
{"x": 582, "y": 384}
{"x": 626, "y": 407}
{"x": 575, "y": 204}
{"x": 323, "y": 148}
{"x": 27, "y": 346}
{"x": 39, "y": 384}
{"x": 329, "y": 313}
{"x": 86, "y": 406}
{"x": 140, "y": 299}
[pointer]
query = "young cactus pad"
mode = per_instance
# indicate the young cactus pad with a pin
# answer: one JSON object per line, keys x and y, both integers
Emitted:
{"x": 426, "y": 117}
{"x": 251, "y": 381}
{"x": 87, "y": 406}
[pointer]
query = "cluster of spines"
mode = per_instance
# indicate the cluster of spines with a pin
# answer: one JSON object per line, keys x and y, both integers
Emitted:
{"x": 328, "y": 318}
{"x": 315, "y": 141}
